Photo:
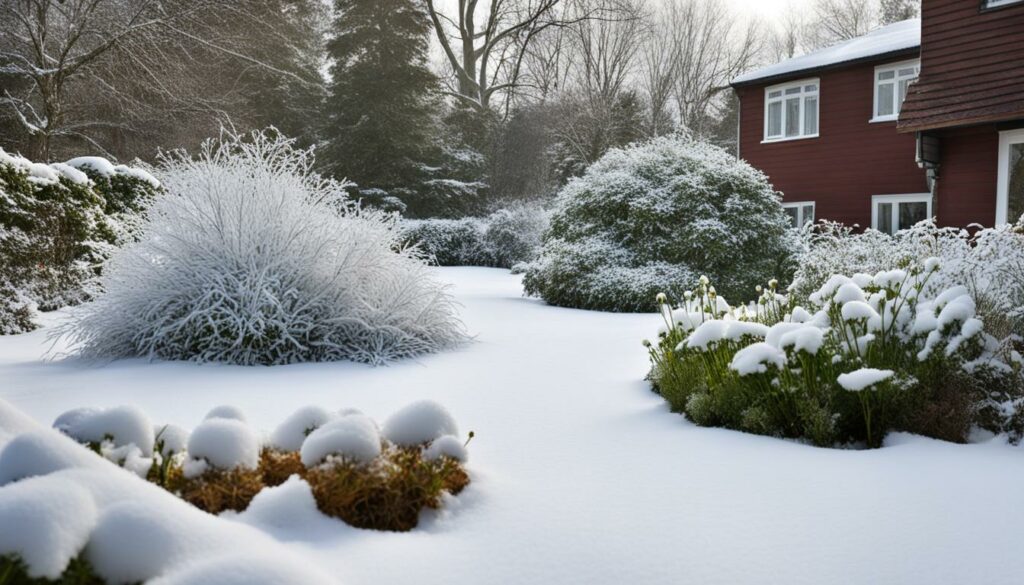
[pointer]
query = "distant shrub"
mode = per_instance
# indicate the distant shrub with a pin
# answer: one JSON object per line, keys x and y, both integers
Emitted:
{"x": 251, "y": 258}
{"x": 502, "y": 239}
{"x": 57, "y": 226}
{"x": 867, "y": 355}
{"x": 651, "y": 218}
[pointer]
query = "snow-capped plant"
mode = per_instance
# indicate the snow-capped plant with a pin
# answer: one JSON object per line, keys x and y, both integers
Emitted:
{"x": 291, "y": 433}
{"x": 817, "y": 372}
{"x": 252, "y": 258}
{"x": 419, "y": 423}
{"x": 652, "y": 217}
{"x": 221, "y": 443}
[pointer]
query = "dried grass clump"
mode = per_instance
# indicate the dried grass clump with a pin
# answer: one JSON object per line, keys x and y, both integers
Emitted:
{"x": 13, "y": 571}
{"x": 216, "y": 490}
{"x": 277, "y": 466}
{"x": 387, "y": 494}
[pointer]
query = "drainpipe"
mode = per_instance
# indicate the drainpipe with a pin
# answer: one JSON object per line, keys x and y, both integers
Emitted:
{"x": 929, "y": 158}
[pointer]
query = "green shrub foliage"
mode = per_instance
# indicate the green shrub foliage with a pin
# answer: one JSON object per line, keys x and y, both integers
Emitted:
{"x": 57, "y": 225}
{"x": 868, "y": 354}
{"x": 654, "y": 216}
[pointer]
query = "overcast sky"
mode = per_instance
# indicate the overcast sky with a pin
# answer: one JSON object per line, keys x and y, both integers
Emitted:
{"x": 767, "y": 8}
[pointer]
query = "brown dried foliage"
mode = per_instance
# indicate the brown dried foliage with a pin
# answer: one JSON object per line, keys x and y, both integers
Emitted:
{"x": 217, "y": 490}
{"x": 277, "y": 466}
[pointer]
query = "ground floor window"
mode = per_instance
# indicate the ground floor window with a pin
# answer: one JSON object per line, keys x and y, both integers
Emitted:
{"x": 1010, "y": 198}
{"x": 892, "y": 213}
{"x": 800, "y": 213}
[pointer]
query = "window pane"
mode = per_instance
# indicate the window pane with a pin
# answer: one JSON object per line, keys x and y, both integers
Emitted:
{"x": 793, "y": 117}
{"x": 904, "y": 86}
{"x": 907, "y": 72}
{"x": 810, "y": 116}
{"x": 808, "y": 213}
{"x": 1016, "y": 201}
{"x": 812, "y": 87}
{"x": 885, "y": 95}
{"x": 775, "y": 119}
{"x": 911, "y": 213}
{"x": 775, "y": 94}
{"x": 792, "y": 91}
{"x": 885, "y": 217}
{"x": 887, "y": 74}
{"x": 793, "y": 213}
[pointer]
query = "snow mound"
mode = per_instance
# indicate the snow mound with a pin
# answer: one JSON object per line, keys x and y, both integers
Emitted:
{"x": 173, "y": 439}
{"x": 226, "y": 411}
{"x": 353, "y": 437}
{"x": 418, "y": 423}
{"x": 289, "y": 506}
{"x": 755, "y": 359}
{"x": 291, "y": 433}
{"x": 97, "y": 164}
{"x": 446, "y": 446}
{"x": 244, "y": 569}
{"x": 72, "y": 417}
{"x": 45, "y": 522}
{"x": 123, "y": 425}
{"x": 863, "y": 378}
{"x": 224, "y": 444}
{"x": 31, "y": 454}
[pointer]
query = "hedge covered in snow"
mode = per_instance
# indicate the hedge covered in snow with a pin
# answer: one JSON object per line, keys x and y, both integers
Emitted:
{"x": 58, "y": 223}
{"x": 865, "y": 355}
{"x": 252, "y": 258}
{"x": 653, "y": 217}
{"x": 501, "y": 239}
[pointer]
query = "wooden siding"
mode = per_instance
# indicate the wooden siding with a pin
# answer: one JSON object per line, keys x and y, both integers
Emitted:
{"x": 971, "y": 66}
{"x": 966, "y": 191}
{"x": 848, "y": 162}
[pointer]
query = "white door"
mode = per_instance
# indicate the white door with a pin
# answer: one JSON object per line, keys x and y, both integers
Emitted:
{"x": 1010, "y": 193}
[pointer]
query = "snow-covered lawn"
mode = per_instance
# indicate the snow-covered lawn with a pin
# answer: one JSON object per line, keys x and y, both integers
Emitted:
{"x": 580, "y": 473}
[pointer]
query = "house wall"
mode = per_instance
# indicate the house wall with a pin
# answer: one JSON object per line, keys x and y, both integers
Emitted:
{"x": 966, "y": 191}
{"x": 971, "y": 63}
{"x": 848, "y": 162}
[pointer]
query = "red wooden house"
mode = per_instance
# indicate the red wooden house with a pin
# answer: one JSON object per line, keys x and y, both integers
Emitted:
{"x": 918, "y": 119}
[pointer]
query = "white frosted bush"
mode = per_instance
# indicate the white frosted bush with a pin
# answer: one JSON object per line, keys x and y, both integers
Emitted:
{"x": 252, "y": 258}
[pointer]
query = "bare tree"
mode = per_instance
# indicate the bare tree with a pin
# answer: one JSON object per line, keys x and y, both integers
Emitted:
{"x": 788, "y": 38}
{"x": 891, "y": 11}
{"x": 840, "y": 20}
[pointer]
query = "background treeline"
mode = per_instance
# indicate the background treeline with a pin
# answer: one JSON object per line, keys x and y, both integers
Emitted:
{"x": 436, "y": 108}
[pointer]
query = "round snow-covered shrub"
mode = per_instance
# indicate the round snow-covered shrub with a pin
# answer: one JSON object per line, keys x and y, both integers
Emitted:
{"x": 291, "y": 433}
{"x": 228, "y": 411}
{"x": 354, "y": 437}
{"x": 251, "y": 258}
{"x": 171, "y": 439}
{"x": 121, "y": 425}
{"x": 446, "y": 446}
{"x": 653, "y": 218}
{"x": 419, "y": 422}
{"x": 222, "y": 443}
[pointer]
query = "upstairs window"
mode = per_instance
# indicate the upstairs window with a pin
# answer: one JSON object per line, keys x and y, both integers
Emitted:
{"x": 891, "y": 85}
{"x": 800, "y": 213}
{"x": 998, "y": 3}
{"x": 791, "y": 111}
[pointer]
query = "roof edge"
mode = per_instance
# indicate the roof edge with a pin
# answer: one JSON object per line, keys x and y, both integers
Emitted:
{"x": 790, "y": 75}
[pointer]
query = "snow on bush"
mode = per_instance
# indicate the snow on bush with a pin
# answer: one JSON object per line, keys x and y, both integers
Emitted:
{"x": 121, "y": 425}
{"x": 171, "y": 440}
{"x": 46, "y": 522}
{"x": 446, "y": 446}
{"x": 221, "y": 443}
{"x": 252, "y": 258}
{"x": 352, "y": 438}
{"x": 867, "y": 354}
{"x": 228, "y": 411}
{"x": 291, "y": 433}
{"x": 57, "y": 226}
{"x": 418, "y": 423}
{"x": 502, "y": 239}
{"x": 651, "y": 218}
{"x": 31, "y": 454}
{"x": 127, "y": 530}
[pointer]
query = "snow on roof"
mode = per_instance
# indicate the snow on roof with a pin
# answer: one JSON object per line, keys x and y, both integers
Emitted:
{"x": 887, "y": 39}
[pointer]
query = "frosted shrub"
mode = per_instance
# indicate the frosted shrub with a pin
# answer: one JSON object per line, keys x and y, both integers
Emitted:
{"x": 251, "y": 258}
{"x": 651, "y": 218}
{"x": 501, "y": 239}
{"x": 868, "y": 354}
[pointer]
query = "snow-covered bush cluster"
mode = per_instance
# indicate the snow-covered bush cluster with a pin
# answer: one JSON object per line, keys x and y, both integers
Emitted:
{"x": 653, "y": 217}
{"x": 502, "y": 239}
{"x": 58, "y": 222}
{"x": 368, "y": 475}
{"x": 865, "y": 355}
{"x": 68, "y": 516}
{"x": 252, "y": 258}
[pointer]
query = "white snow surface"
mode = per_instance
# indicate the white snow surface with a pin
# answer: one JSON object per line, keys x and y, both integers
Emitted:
{"x": 446, "y": 446}
{"x": 354, "y": 437}
{"x": 580, "y": 473}
{"x": 887, "y": 39}
{"x": 290, "y": 434}
{"x": 124, "y": 425}
{"x": 224, "y": 443}
{"x": 863, "y": 378}
{"x": 419, "y": 422}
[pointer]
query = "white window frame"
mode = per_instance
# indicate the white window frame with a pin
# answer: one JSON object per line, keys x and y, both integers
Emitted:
{"x": 1003, "y": 183}
{"x": 894, "y": 68}
{"x": 803, "y": 97}
{"x": 799, "y": 205}
{"x": 998, "y": 3}
{"x": 877, "y": 200}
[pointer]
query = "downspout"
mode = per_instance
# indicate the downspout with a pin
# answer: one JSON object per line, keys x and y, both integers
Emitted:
{"x": 739, "y": 122}
{"x": 928, "y": 158}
